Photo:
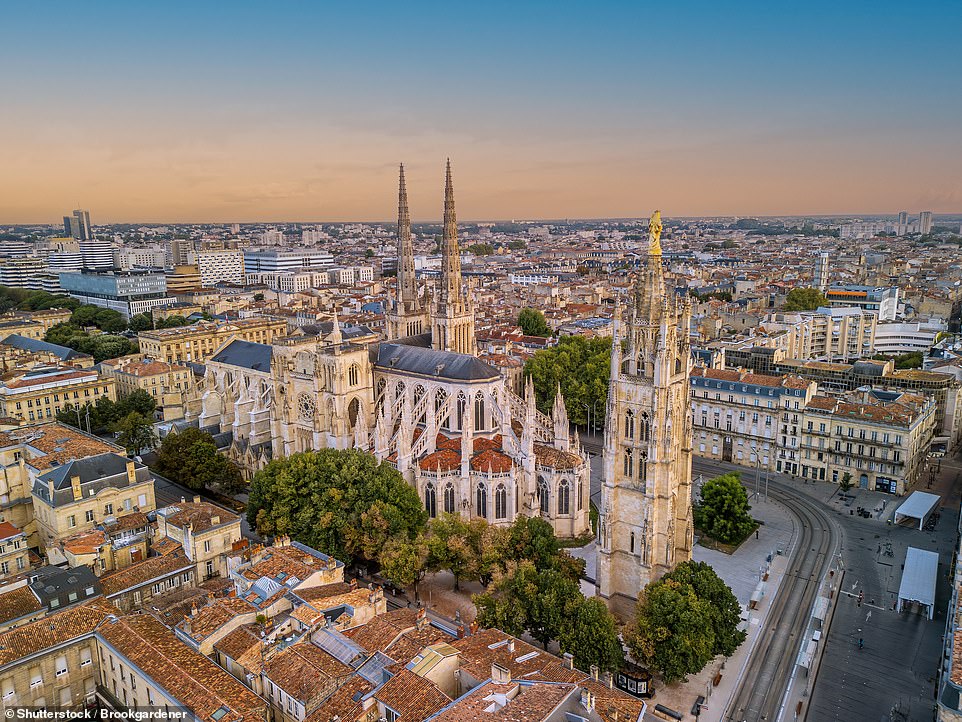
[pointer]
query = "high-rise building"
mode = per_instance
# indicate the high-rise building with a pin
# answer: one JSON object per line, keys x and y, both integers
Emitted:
{"x": 821, "y": 271}
{"x": 645, "y": 523}
{"x": 925, "y": 222}
{"x": 903, "y": 217}
{"x": 264, "y": 261}
{"x": 77, "y": 225}
{"x": 220, "y": 267}
{"x": 181, "y": 250}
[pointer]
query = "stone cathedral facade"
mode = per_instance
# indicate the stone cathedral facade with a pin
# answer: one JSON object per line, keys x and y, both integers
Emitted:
{"x": 421, "y": 401}
{"x": 645, "y": 522}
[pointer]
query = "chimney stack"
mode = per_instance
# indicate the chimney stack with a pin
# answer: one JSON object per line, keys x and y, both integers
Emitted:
{"x": 609, "y": 680}
{"x": 499, "y": 674}
{"x": 594, "y": 672}
{"x": 569, "y": 660}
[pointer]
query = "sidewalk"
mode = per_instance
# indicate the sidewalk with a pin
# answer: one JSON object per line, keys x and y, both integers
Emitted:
{"x": 742, "y": 572}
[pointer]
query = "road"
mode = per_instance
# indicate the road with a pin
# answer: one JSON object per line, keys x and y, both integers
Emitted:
{"x": 766, "y": 678}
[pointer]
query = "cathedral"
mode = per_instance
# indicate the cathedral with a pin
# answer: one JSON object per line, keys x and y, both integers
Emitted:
{"x": 645, "y": 521}
{"x": 421, "y": 401}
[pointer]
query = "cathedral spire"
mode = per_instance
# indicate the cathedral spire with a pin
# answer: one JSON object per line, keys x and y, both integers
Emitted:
{"x": 335, "y": 336}
{"x": 406, "y": 288}
{"x": 650, "y": 288}
{"x": 450, "y": 252}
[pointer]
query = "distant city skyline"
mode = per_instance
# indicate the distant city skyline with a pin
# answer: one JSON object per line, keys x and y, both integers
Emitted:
{"x": 187, "y": 113}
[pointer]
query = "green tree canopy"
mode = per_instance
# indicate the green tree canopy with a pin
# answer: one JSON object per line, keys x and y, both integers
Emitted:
{"x": 582, "y": 367}
{"x": 343, "y": 503}
{"x": 480, "y": 249}
{"x": 174, "y": 322}
{"x": 804, "y": 299}
{"x": 722, "y": 511}
{"x": 683, "y": 620}
{"x": 141, "y": 322}
{"x": 591, "y": 636}
{"x": 404, "y": 561}
{"x": 532, "y": 322}
{"x": 190, "y": 457}
{"x": 101, "y": 346}
{"x": 136, "y": 432}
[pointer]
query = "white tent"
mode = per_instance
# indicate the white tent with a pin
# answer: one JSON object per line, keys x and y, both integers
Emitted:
{"x": 918, "y": 506}
{"x": 918, "y": 579}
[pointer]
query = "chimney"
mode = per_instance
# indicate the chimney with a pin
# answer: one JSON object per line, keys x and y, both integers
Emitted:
{"x": 182, "y": 500}
{"x": 131, "y": 472}
{"x": 187, "y": 624}
{"x": 353, "y": 584}
{"x": 421, "y": 620}
{"x": 460, "y": 631}
{"x": 587, "y": 699}
{"x": 78, "y": 491}
{"x": 511, "y": 645}
{"x": 499, "y": 674}
{"x": 569, "y": 660}
{"x": 609, "y": 680}
{"x": 613, "y": 713}
{"x": 473, "y": 628}
{"x": 594, "y": 672}
{"x": 197, "y": 498}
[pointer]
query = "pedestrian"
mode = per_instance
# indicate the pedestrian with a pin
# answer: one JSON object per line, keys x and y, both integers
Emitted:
{"x": 860, "y": 643}
{"x": 756, "y": 533}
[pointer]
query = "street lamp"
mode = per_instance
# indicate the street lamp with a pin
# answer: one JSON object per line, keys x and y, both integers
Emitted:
{"x": 758, "y": 464}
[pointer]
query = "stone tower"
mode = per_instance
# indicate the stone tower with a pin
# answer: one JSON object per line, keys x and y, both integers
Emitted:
{"x": 645, "y": 524}
{"x": 406, "y": 317}
{"x": 452, "y": 312}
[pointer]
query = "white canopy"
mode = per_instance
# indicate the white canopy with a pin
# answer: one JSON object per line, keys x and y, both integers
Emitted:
{"x": 918, "y": 579}
{"x": 918, "y": 506}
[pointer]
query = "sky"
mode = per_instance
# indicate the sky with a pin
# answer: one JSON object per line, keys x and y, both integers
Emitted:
{"x": 301, "y": 111}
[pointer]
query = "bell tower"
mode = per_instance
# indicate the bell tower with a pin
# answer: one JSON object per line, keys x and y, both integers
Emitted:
{"x": 645, "y": 522}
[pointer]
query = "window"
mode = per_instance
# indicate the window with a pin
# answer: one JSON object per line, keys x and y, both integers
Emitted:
{"x": 89, "y": 516}
{"x": 431, "y": 500}
{"x": 61, "y": 665}
{"x": 85, "y": 657}
{"x": 632, "y": 542}
{"x": 210, "y": 568}
{"x": 481, "y": 501}
{"x": 500, "y": 502}
{"x": 629, "y": 465}
{"x": 629, "y": 424}
{"x": 207, "y": 545}
{"x": 108, "y": 509}
{"x": 5, "y": 567}
{"x": 36, "y": 678}
{"x": 449, "y": 498}
{"x": 543, "y": 495}
{"x": 564, "y": 498}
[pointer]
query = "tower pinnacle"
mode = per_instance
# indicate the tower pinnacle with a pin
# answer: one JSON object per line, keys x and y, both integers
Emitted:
{"x": 407, "y": 291}
{"x": 451, "y": 253}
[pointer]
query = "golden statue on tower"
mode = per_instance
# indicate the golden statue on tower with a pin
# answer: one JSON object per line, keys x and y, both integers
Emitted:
{"x": 654, "y": 234}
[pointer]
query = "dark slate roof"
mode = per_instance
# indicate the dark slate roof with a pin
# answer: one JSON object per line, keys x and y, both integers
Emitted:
{"x": 32, "y": 344}
{"x": 246, "y": 354}
{"x": 53, "y": 583}
{"x": 348, "y": 330}
{"x": 95, "y": 472}
{"x": 430, "y": 362}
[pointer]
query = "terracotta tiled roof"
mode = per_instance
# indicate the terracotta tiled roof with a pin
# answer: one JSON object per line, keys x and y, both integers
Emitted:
{"x": 411, "y": 696}
{"x": 495, "y": 461}
{"x": 477, "y": 656}
{"x": 345, "y": 704}
{"x": 18, "y": 603}
{"x": 85, "y": 542}
{"x": 243, "y": 645}
{"x": 443, "y": 460}
{"x": 8, "y": 530}
{"x": 304, "y": 670}
{"x": 556, "y": 458}
{"x": 200, "y": 514}
{"x": 287, "y": 561}
{"x": 188, "y": 676}
{"x": 141, "y": 573}
{"x": 134, "y": 520}
{"x": 53, "y": 630}
{"x": 378, "y": 633}
{"x": 55, "y": 444}
{"x": 166, "y": 545}
{"x": 532, "y": 702}
{"x": 215, "y": 615}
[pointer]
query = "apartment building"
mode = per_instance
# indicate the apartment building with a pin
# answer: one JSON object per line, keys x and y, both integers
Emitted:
{"x": 20, "y": 352}
{"x": 197, "y": 342}
{"x": 207, "y": 533}
{"x": 76, "y": 496}
{"x": 882, "y": 300}
{"x": 115, "y": 543}
{"x": 167, "y": 383}
{"x": 27, "y": 453}
{"x": 40, "y": 393}
{"x": 880, "y": 438}
{"x": 14, "y": 551}
{"x": 827, "y": 334}
{"x": 21, "y": 327}
{"x": 748, "y": 418}
{"x": 47, "y": 318}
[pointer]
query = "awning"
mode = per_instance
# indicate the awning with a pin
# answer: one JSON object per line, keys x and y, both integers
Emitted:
{"x": 918, "y": 579}
{"x": 918, "y": 506}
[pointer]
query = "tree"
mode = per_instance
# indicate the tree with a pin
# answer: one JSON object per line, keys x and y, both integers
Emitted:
{"x": 404, "y": 561}
{"x": 683, "y": 620}
{"x": 533, "y": 539}
{"x": 173, "y": 322}
{"x": 804, "y": 299}
{"x": 722, "y": 511}
{"x": 343, "y": 503}
{"x": 110, "y": 321}
{"x": 480, "y": 249}
{"x": 524, "y": 599}
{"x": 449, "y": 547}
{"x": 136, "y": 433}
{"x": 532, "y": 323}
{"x": 138, "y": 401}
{"x": 591, "y": 636}
{"x": 141, "y": 322}
{"x": 369, "y": 253}
{"x": 190, "y": 457}
{"x": 582, "y": 367}
{"x": 846, "y": 483}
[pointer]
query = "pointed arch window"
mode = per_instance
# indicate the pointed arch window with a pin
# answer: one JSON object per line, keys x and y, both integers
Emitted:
{"x": 543, "y": 495}
{"x": 479, "y": 412}
{"x": 629, "y": 424}
{"x": 462, "y": 407}
{"x": 643, "y": 468}
{"x": 645, "y": 427}
{"x": 581, "y": 491}
{"x": 431, "y": 500}
{"x": 481, "y": 500}
{"x": 353, "y": 410}
{"x": 441, "y": 408}
{"x": 632, "y": 543}
{"x": 500, "y": 502}
{"x": 449, "y": 498}
{"x": 629, "y": 463}
{"x": 564, "y": 498}
{"x": 353, "y": 375}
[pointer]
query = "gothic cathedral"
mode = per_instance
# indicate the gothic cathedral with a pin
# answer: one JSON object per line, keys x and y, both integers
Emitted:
{"x": 645, "y": 524}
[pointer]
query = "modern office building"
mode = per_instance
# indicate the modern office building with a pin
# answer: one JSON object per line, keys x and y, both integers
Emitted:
{"x": 925, "y": 222}
{"x": 260, "y": 261}
{"x": 77, "y": 225}
{"x": 97, "y": 253}
{"x": 129, "y": 292}
{"x": 220, "y": 267}
{"x": 821, "y": 272}
{"x": 883, "y": 300}
{"x": 23, "y": 273}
